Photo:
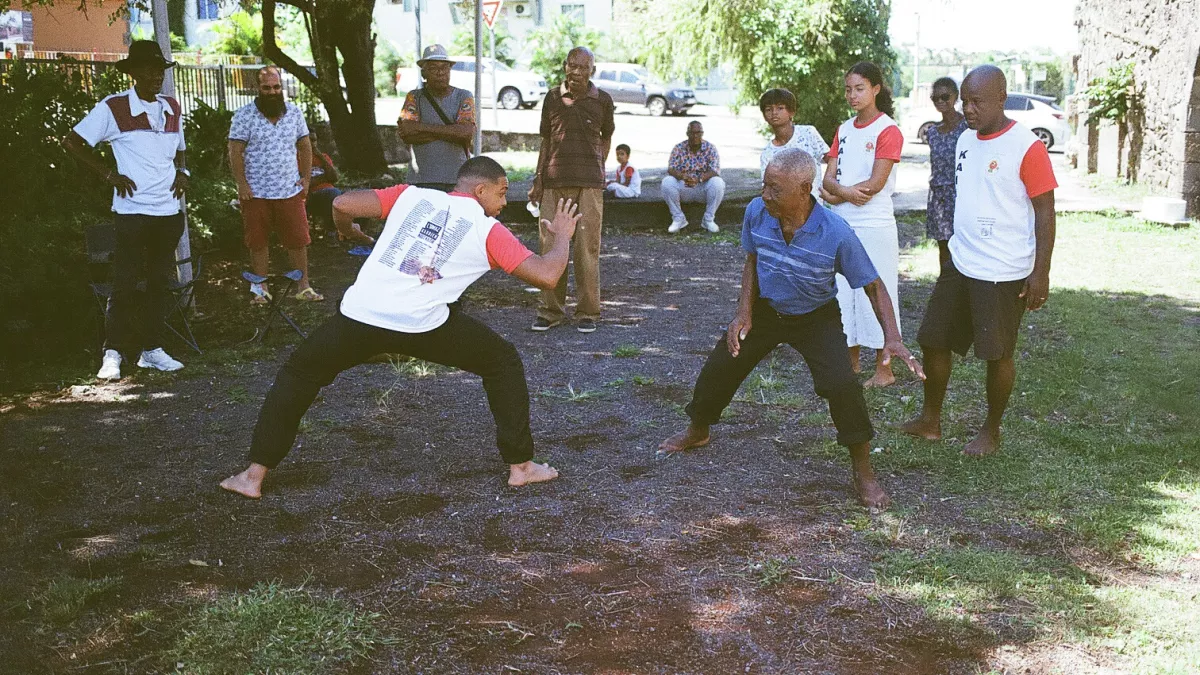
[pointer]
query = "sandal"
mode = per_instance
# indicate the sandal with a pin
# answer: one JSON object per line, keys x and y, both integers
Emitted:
{"x": 309, "y": 295}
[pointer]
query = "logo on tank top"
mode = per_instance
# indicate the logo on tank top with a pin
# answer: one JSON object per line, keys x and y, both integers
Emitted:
{"x": 870, "y": 146}
{"x": 993, "y": 166}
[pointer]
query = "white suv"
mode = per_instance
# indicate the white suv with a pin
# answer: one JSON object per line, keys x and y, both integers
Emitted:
{"x": 515, "y": 88}
{"x": 1039, "y": 114}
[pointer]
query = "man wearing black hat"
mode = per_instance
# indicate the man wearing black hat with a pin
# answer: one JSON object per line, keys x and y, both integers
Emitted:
{"x": 145, "y": 130}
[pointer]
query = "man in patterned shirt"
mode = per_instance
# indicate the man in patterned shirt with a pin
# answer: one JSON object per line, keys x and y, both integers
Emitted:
{"x": 438, "y": 121}
{"x": 695, "y": 176}
{"x": 271, "y": 157}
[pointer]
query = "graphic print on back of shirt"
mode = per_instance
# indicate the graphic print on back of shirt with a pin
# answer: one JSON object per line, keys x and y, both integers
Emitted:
{"x": 424, "y": 241}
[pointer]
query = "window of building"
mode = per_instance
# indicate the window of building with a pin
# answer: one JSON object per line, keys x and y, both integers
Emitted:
{"x": 408, "y": 4}
{"x": 208, "y": 10}
{"x": 573, "y": 10}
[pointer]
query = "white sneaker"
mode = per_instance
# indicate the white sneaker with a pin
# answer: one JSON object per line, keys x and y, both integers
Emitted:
{"x": 110, "y": 367}
{"x": 158, "y": 360}
{"x": 677, "y": 225}
{"x": 710, "y": 225}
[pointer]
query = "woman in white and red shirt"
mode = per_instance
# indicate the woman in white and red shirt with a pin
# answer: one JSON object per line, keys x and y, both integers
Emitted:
{"x": 858, "y": 186}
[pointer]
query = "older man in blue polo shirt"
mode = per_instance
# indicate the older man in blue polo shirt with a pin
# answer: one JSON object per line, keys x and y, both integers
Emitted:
{"x": 794, "y": 246}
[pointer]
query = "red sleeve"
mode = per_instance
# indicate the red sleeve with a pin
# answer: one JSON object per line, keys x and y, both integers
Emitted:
{"x": 1036, "y": 171}
{"x": 504, "y": 250}
{"x": 890, "y": 144}
{"x": 833, "y": 149}
{"x": 388, "y": 197}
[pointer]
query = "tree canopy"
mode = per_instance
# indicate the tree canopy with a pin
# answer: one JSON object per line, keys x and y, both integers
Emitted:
{"x": 803, "y": 45}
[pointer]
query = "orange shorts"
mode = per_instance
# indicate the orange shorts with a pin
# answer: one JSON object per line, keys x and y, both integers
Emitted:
{"x": 286, "y": 216}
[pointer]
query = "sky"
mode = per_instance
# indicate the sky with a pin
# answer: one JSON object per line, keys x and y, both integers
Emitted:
{"x": 1014, "y": 25}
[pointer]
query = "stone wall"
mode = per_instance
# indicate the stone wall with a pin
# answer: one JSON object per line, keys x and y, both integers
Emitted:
{"x": 1162, "y": 37}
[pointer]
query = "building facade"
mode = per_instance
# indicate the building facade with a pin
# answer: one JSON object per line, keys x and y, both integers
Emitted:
{"x": 440, "y": 19}
{"x": 1162, "y": 39}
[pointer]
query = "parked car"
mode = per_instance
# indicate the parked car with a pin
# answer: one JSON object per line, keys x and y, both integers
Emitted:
{"x": 1039, "y": 114}
{"x": 631, "y": 84}
{"x": 515, "y": 88}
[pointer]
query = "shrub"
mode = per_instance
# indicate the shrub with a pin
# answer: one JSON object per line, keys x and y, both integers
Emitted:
{"x": 551, "y": 44}
{"x": 212, "y": 188}
{"x": 387, "y": 60}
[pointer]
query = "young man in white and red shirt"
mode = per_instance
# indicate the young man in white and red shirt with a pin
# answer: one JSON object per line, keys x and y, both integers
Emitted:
{"x": 433, "y": 246}
{"x": 627, "y": 181}
{"x": 999, "y": 255}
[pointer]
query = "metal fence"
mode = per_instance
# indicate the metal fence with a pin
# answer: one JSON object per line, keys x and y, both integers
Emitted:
{"x": 228, "y": 86}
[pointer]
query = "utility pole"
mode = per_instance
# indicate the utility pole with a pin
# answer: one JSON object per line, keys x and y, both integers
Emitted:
{"x": 917, "y": 62}
{"x": 495, "y": 103}
{"x": 162, "y": 34}
{"x": 478, "y": 71}
{"x": 417, "y": 9}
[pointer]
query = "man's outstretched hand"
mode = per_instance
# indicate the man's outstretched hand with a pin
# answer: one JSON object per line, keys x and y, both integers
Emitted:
{"x": 896, "y": 348}
{"x": 566, "y": 217}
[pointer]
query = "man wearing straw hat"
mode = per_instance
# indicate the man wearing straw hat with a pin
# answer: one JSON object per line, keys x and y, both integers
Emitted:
{"x": 145, "y": 130}
{"x": 438, "y": 121}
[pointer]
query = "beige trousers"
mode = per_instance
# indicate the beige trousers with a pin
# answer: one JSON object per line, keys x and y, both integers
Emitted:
{"x": 585, "y": 254}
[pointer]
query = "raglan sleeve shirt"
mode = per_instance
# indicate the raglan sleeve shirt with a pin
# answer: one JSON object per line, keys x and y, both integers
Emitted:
{"x": 504, "y": 250}
{"x": 1037, "y": 173}
{"x": 890, "y": 144}
{"x": 100, "y": 126}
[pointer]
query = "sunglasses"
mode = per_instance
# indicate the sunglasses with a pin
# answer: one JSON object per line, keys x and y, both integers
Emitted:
{"x": 940, "y": 98}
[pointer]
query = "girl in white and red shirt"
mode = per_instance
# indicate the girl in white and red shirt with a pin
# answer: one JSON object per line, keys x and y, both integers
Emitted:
{"x": 858, "y": 186}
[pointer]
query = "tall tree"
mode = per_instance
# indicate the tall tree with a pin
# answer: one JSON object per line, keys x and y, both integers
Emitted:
{"x": 337, "y": 27}
{"x": 804, "y": 45}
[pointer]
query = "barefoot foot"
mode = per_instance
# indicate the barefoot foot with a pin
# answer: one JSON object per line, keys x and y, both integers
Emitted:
{"x": 986, "y": 443}
{"x": 881, "y": 378}
{"x": 244, "y": 484}
{"x": 530, "y": 472}
{"x": 930, "y": 430}
{"x": 687, "y": 439}
{"x": 870, "y": 493}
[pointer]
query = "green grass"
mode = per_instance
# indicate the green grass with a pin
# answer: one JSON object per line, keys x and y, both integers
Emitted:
{"x": 1101, "y": 457}
{"x": 65, "y": 599}
{"x": 627, "y": 351}
{"x": 274, "y": 629}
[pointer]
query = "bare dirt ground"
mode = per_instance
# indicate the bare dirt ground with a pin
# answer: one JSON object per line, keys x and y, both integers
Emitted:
{"x": 736, "y": 558}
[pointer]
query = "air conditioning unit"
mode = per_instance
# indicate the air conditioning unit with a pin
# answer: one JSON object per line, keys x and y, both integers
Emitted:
{"x": 521, "y": 9}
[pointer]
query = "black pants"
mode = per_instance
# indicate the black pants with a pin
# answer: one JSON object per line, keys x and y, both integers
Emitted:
{"x": 342, "y": 343}
{"x": 145, "y": 249}
{"x": 320, "y": 207}
{"x": 819, "y": 338}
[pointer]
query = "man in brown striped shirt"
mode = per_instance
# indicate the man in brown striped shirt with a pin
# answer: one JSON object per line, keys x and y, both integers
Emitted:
{"x": 577, "y": 129}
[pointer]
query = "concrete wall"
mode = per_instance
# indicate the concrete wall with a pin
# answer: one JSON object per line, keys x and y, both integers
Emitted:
{"x": 63, "y": 28}
{"x": 1162, "y": 37}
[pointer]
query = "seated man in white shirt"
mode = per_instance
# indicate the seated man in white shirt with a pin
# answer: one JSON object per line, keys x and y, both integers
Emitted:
{"x": 433, "y": 246}
{"x": 627, "y": 181}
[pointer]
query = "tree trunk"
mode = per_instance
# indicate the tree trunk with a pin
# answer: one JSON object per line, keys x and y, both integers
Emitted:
{"x": 338, "y": 26}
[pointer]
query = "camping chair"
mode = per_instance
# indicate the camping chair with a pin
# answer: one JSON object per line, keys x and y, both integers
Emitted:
{"x": 273, "y": 307}
{"x": 101, "y": 241}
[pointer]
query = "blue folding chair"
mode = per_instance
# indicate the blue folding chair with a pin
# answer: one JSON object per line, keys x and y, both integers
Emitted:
{"x": 273, "y": 307}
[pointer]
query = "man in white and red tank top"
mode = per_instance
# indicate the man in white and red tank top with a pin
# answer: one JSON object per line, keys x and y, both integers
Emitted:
{"x": 999, "y": 255}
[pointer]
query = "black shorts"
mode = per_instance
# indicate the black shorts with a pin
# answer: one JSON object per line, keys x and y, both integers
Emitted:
{"x": 963, "y": 311}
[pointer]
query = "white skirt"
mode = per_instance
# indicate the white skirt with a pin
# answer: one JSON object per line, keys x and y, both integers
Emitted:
{"x": 858, "y": 318}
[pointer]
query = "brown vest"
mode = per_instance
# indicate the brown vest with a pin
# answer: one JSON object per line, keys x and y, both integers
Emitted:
{"x": 126, "y": 122}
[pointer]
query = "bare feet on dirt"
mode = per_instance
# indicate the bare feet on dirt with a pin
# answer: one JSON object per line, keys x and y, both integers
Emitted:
{"x": 530, "y": 472}
{"x": 870, "y": 493}
{"x": 247, "y": 483}
{"x": 687, "y": 439}
{"x": 986, "y": 443}
{"x": 243, "y": 485}
{"x": 930, "y": 430}
{"x": 881, "y": 378}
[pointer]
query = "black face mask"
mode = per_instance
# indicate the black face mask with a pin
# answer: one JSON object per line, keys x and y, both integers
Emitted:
{"x": 271, "y": 105}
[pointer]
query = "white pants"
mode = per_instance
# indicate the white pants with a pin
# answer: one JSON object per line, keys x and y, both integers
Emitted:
{"x": 711, "y": 192}
{"x": 858, "y": 317}
{"x": 622, "y": 191}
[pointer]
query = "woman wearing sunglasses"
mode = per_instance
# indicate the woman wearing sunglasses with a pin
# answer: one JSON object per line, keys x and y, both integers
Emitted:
{"x": 942, "y": 139}
{"x": 858, "y": 185}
